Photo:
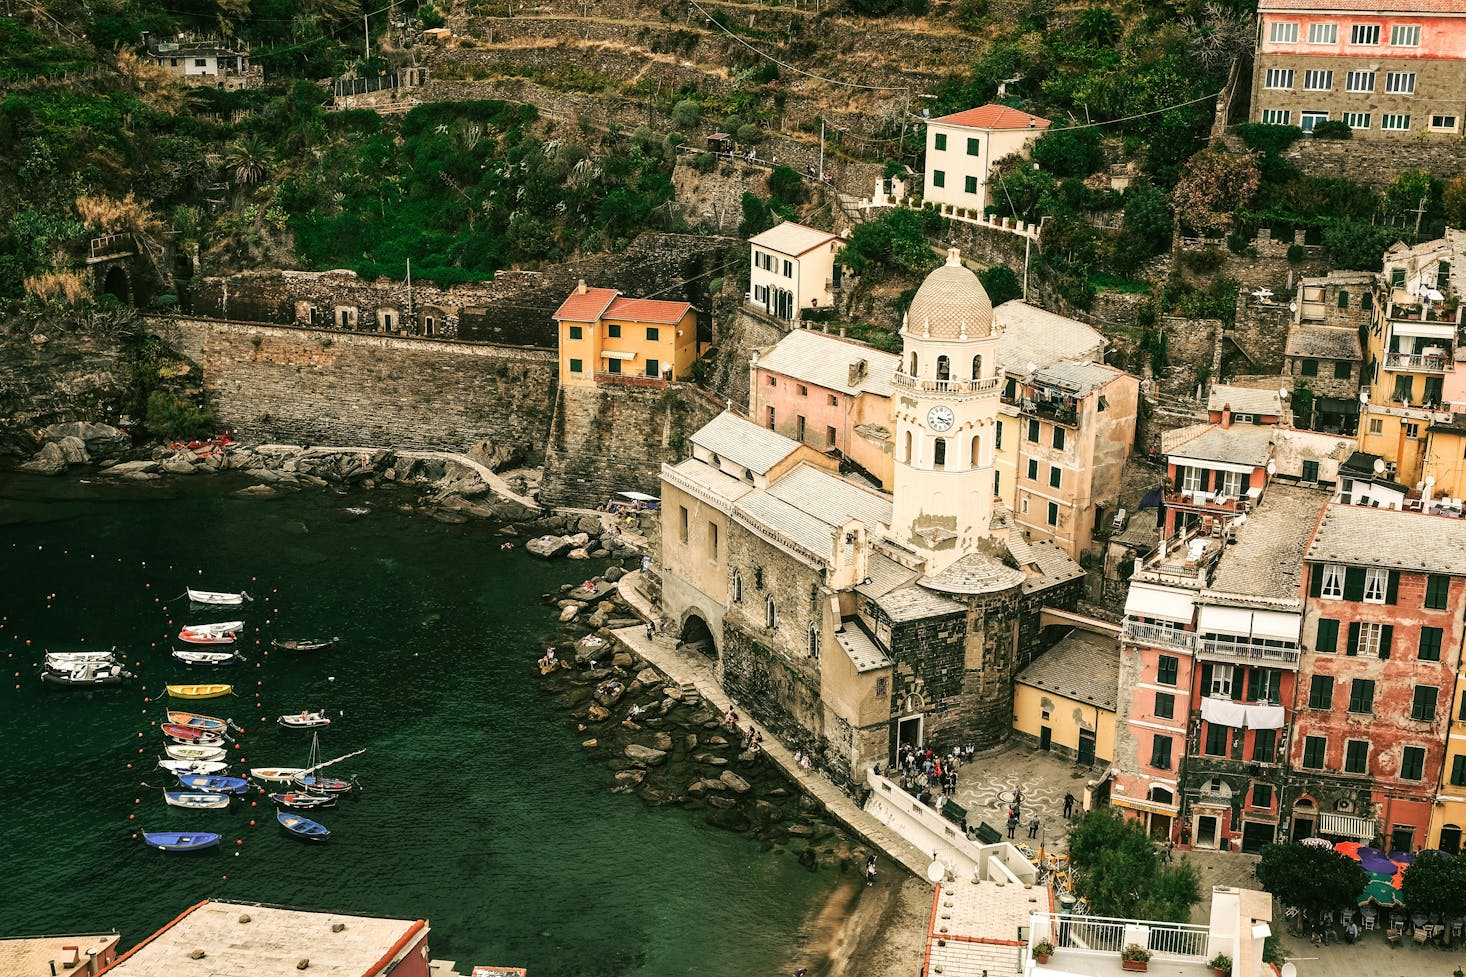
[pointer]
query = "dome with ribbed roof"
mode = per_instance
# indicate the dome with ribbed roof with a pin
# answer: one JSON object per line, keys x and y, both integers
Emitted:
{"x": 950, "y": 304}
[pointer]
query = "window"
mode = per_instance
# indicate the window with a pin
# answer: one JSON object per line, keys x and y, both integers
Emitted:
{"x": 939, "y": 453}
{"x": 1328, "y": 635}
{"x": 1307, "y": 120}
{"x": 1430, "y": 644}
{"x": 1056, "y": 476}
{"x": 1442, "y": 274}
{"x": 1033, "y": 430}
{"x": 1356, "y": 756}
{"x": 1437, "y": 591}
{"x": 200, "y": 63}
{"x": 1323, "y": 33}
{"x": 1231, "y": 482}
{"x": 575, "y": 332}
{"x": 830, "y": 435}
{"x": 1166, "y": 668}
{"x": 998, "y": 437}
{"x": 1343, "y": 370}
{"x": 1359, "y": 82}
{"x": 1283, "y": 32}
{"x": 1264, "y": 745}
{"x": 803, "y": 390}
{"x": 1397, "y": 277}
{"x": 1053, "y": 513}
{"x": 654, "y": 369}
{"x": 788, "y": 268}
{"x": 1400, "y": 82}
{"x": 613, "y": 331}
{"x": 969, "y": 184}
{"x": 1191, "y": 479}
{"x": 771, "y": 613}
{"x": 1443, "y": 123}
{"x": 1403, "y": 35}
{"x": 576, "y": 366}
{"x": 940, "y": 142}
{"x": 1375, "y": 581}
{"x": 1321, "y": 692}
{"x": 974, "y": 146}
{"x": 1356, "y": 120}
{"x": 1422, "y": 708}
{"x": 834, "y": 401}
{"x": 1370, "y": 639}
{"x": 1221, "y": 681}
{"x": 1058, "y": 438}
{"x": 737, "y": 587}
{"x": 1218, "y": 740}
{"x": 1313, "y": 751}
{"x": 1412, "y": 429}
{"x": 682, "y": 523}
{"x": 1366, "y": 301}
{"x": 1394, "y": 123}
{"x": 1310, "y": 471}
{"x": 1262, "y": 794}
{"x": 1318, "y": 81}
{"x": 653, "y": 334}
{"x": 939, "y": 179}
{"x": 1033, "y": 469}
{"x": 1332, "y": 586}
{"x": 1458, "y": 771}
{"x": 814, "y": 641}
{"x": 1276, "y": 117}
{"x": 1308, "y": 368}
{"x": 1376, "y": 425}
{"x": 1279, "y": 78}
{"x": 1165, "y": 705}
{"x": 908, "y": 436}
{"x": 1364, "y": 34}
{"x": 1361, "y": 695}
{"x": 1160, "y": 753}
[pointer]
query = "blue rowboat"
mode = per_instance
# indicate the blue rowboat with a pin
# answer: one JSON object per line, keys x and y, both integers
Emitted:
{"x": 302, "y": 827}
{"x": 325, "y": 785}
{"x": 219, "y": 785}
{"x": 180, "y": 840}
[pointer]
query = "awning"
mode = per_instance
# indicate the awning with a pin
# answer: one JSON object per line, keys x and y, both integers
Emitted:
{"x": 1146, "y": 600}
{"x": 1225, "y": 620}
{"x": 618, "y": 354}
{"x": 1424, "y": 330}
{"x": 1346, "y": 825}
{"x": 1276, "y": 624}
{"x": 638, "y": 497}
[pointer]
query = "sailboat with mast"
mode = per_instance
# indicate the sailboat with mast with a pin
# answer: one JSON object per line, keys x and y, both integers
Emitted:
{"x": 309, "y": 779}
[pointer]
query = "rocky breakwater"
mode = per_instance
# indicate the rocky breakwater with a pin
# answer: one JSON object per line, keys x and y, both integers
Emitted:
{"x": 76, "y": 443}
{"x": 666, "y": 744}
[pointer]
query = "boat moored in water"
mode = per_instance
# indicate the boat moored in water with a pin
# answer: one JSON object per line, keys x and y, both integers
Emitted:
{"x": 221, "y": 627}
{"x": 85, "y": 675}
{"x": 305, "y": 720}
{"x": 300, "y": 801}
{"x": 276, "y": 775}
{"x": 192, "y": 736}
{"x": 302, "y": 827}
{"x": 218, "y": 597}
{"x": 213, "y": 782}
{"x": 198, "y": 800}
{"x": 180, "y": 840}
{"x": 206, "y": 637}
{"x": 207, "y": 657}
{"x": 193, "y": 766}
{"x": 197, "y": 753}
{"x": 305, "y": 644}
{"x": 200, "y": 721}
{"x": 199, "y": 691}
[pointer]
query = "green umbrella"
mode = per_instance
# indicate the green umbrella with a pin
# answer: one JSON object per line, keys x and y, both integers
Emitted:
{"x": 1379, "y": 892}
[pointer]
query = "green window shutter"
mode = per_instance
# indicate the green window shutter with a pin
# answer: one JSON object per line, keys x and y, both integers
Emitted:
{"x": 1206, "y": 479}
{"x": 1386, "y": 637}
{"x": 1328, "y": 635}
{"x": 1458, "y": 770}
{"x": 1206, "y": 671}
{"x": 1315, "y": 579}
{"x": 1392, "y": 589}
{"x": 1353, "y": 647}
{"x": 1353, "y": 583}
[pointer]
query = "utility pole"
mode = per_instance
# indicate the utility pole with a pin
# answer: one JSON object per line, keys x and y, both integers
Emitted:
{"x": 1419, "y": 213}
{"x": 410, "y": 317}
{"x": 822, "y": 149}
{"x": 367, "y": 36}
{"x": 1027, "y": 246}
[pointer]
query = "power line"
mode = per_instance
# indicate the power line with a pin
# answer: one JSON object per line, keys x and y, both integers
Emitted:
{"x": 1110, "y": 122}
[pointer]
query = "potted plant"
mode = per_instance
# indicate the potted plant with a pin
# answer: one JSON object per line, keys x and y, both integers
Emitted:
{"x": 1221, "y": 965}
{"x": 1135, "y": 957}
{"x": 1042, "y": 950}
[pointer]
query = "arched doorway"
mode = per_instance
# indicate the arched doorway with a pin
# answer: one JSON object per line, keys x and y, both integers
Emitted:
{"x": 115, "y": 284}
{"x": 698, "y": 636}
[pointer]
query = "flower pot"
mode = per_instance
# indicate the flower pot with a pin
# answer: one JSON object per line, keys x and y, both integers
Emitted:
{"x": 1041, "y": 957}
{"x": 1139, "y": 966}
{"x": 1219, "y": 972}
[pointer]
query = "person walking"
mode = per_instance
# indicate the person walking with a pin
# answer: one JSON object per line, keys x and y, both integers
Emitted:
{"x": 1033, "y": 828}
{"x": 870, "y": 870}
{"x": 1012, "y": 825}
{"x": 1068, "y": 805}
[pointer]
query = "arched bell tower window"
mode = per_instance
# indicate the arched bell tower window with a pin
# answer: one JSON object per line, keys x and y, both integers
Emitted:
{"x": 907, "y": 458}
{"x": 944, "y": 368}
{"x": 977, "y": 451}
{"x": 912, "y": 371}
{"x": 977, "y": 367}
{"x": 939, "y": 453}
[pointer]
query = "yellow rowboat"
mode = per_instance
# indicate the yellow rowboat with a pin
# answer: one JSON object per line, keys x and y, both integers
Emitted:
{"x": 199, "y": 691}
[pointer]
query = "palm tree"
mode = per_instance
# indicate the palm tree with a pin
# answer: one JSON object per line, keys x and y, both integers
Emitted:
{"x": 248, "y": 160}
{"x": 1098, "y": 26}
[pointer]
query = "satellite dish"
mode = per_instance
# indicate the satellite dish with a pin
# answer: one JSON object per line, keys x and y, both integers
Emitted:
{"x": 1292, "y": 306}
{"x": 1032, "y": 366}
{"x": 1289, "y": 970}
{"x": 1364, "y": 396}
{"x": 1283, "y": 393}
{"x": 936, "y": 871}
{"x": 1379, "y": 466}
{"x": 1272, "y": 467}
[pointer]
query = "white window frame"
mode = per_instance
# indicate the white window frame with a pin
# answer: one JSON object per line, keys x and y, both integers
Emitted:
{"x": 1360, "y": 34}
{"x": 1310, "y": 118}
{"x": 1276, "y": 117}
{"x": 1332, "y": 587}
{"x": 1322, "y": 32}
{"x": 1231, "y": 485}
{"x": 1404, "y": 35}
{"x": 1400, "y": 83}
{"x": 1283, "y": 32}
{"x": 1455, "y": 123}
{"x": 1191, "y": 479}
{"x": 1222, "y": 677}
{"x": 1279, "y": 79}
{"x": 1394, "y": 122}
{"x": 1356, "y": 120}
{"x": 1352, "y": 82}
{"x": 1376, "y": 585}
{"x": 771, "y": 613}
{"x": 1318, "y": 80}
{"x": 1370, "y": 633}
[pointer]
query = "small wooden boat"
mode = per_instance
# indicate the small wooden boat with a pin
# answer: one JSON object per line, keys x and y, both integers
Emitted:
{"x": 302, "y": 827}
{"x": 299, "y": 801}
{"x": 199, "y": 800}
{"x": 305, "y": 644}
{"x": 180, "y": 840}
{"x": 217, "y": 597}
{"x": 276, "y": 775}
{"x": 199, "y": 721}
{"x": 305, "y": 720}
{"x": 86, "y": 675}
{"x": 81, "y": 657}
{"x": 199, "y": 691}
{"x": 206, "y": 637}
{"x": 214, "y": 783}
{"x": 325, "y": 785}
{"x": 195, "y": 752}
{"x": 207, "y": 657}
{"x": 194, "y": 766}
{"x": 222, "y": 627}
{"x": 192, "y": 736}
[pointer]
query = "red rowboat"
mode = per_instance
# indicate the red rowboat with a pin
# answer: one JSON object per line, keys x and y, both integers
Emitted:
{"x": 206, "y": 637}
{"x": 187, "y": 734}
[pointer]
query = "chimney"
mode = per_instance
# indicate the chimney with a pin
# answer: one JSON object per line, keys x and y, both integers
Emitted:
{"x": 953, "y": 256}
{"x": 1226, "y": 416}
{"x": 580, "y": 288}
{"x": 857, "y": 373}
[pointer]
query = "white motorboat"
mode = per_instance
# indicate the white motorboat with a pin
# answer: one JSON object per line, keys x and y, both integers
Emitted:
{"x": 218, "y": 597}
{"x": 207, "y": 657}
{"x": 206, "y": 768}
{"x": 84, "y": 674}
{"x": 305, "y": 720}
{"x": 197, "y": 754}
{"x": 66, "y": 659}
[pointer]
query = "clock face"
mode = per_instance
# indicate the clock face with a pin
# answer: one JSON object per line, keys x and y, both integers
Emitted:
{"x": 940, "y": 418}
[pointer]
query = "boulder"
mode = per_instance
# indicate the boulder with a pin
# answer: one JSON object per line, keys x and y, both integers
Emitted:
{"x": 598, "y": 554}
{"x": 50, "y": 460}
{"x": 628, "y": 779}
{"x": 548, "y": 547}
{"x": 257, "y": 492}
{"x": 125, "y": 468}
{"x": 177, "y": 465}
{"x": 591, "y": 743}
{"x": 621, "y": 659}
{"x": 645, "y": 755}
{"x": 735, "y": 783}
{"x": 578, "y": 553}
{"x": 725, "y": 803}
{"x": 689, "y": 742}
{"x": 452, "y": 519}
{"x": 710, "y": 759}
{"x": 598, "y": 713}
{"x": 566, "y": 613}
{"x": 662, "y": 741}
{"x": 580, "y": 540}
{"x": 649, "y": 677}
{"x": 801, "y": 831}
{"x": 614, "y": 574}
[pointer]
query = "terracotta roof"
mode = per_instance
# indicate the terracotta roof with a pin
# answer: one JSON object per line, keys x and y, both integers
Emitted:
{"x": 586, "y": 306}
{"x": 994, "y": 117}
{"x": 647, "y": 310}
{"x": 793, "y": 239}
{"x": 1368, "y": 6}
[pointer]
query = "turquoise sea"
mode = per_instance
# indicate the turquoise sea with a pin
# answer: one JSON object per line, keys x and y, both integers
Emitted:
{"x": 478, "y": 810}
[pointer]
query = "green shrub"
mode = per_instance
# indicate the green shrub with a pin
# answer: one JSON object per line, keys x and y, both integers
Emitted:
{"x": 170, "y": 417}
{"x": 1296, "y": 254}
{"x": 1335, "y": 129}
{"x": 1268, "y": 139}
{"x": 1203, "y": 261}
{"x": 686, "y": 114}
{"x": 430, "y": 16}
{"x": 1001, "y": 284}
{"x": 786, "y": 185}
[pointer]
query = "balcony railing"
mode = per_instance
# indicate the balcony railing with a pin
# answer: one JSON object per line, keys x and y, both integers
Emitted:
{"x": 1153, "y": 635}
{"x": 1104, "y": 934}
{"x": 1215, "y": 501}
{"x": 1418, "y": 362}
{"x": 987, "y": 387}
{"x": 630, "y": 380}
{"x": 1242, "y": 650}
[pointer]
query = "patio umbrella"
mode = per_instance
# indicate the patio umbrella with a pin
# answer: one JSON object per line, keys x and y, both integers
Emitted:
{"x": 1316, "y": 842}
{"x": 1349, "y": 849}
{"x": 1371, "y": 851}
{"x": 1401, "y": 857}
{"x": 1377, "y": 863}
{"x": 1380, "y": 893}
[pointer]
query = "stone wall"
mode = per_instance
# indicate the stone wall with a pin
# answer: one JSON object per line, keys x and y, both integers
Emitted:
{"x": 1378, "y": 163}
{"x": 51, "y": 379}
{"x": 604, "y": 440}
{"x": 1255, "y": 342}
{"x": 314, "y": 386}
{"x": 736, "y": 342}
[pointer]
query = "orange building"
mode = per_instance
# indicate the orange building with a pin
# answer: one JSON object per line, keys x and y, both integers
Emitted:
{"x": 606, "y": 338}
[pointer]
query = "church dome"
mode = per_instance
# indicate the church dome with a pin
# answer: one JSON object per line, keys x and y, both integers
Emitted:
{"x": 950, "y": 304}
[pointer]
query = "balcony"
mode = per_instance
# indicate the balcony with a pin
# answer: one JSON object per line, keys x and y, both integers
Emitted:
{"x": 1419, "y": 362}
{"x": 1216, "y": 502}
{"x": 1091, "y": 945}
{"x": 1417, "y": 311}
{"x": 630, "y": 380}
{"x": 1155, "y": 636}
{"x": 988, "y": 387}
{"x": 110, "y": 246}
{"x": 1245, "y": 652}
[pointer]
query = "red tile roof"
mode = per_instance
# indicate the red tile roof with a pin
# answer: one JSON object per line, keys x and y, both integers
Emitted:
{"x": 994, "y": 117}
{"x": 587, "y": 306}
{"x": 647, "y": 310}
{"x": 1402, "y": 7}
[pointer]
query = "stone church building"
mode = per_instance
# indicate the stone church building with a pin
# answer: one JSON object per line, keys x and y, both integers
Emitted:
{"x": 853, "y": 621}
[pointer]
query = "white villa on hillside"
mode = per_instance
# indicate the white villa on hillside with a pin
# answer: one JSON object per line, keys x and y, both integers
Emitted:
{"x": 792, "y": 267}
{"x": 961, "y": 149}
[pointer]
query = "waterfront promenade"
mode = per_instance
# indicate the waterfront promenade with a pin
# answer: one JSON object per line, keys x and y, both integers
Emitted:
{"x": 686, "y": 667}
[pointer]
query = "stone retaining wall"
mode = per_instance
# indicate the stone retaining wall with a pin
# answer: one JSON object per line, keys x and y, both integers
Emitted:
{"x": 1378, "y": 163}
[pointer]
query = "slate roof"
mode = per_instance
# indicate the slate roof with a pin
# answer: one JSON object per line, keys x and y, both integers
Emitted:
{"x": 1080, "y": 374}
{"x": 1055, "y": 565}
{"x": 1369, "y": 537}
{"x": 824, "y": 360}
{"x": 1324, "y": 343}
{"x": 718, "y": 483}
{"x": 1245, "y": 400}
{"x": 864, "y": 653}
{"x": 911, "y": 603}
{"x": 586, "y": 306}
{"x": 1083, "y": 666}
{"x": 807, "y": 506}
{"x": 975, "y": 573}
{"x": 792, "y": 239}
{"x": 1240, "y": 444}
{"x": 885, "y": 575}
{"x": 1036, "y": 336}
{"x": 1267, "y": 558}
{"x": 994, "y": 117}
{"x": 744, "y": 443}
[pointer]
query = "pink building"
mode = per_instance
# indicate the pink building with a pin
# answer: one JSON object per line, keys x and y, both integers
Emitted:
{"x": 1214, "y": 473}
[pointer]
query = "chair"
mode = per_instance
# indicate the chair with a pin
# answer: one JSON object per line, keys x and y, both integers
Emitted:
{"x": 1422, "y": 933}
{"x": 1392, "y": 936}
{"x": 1368, "y": 923}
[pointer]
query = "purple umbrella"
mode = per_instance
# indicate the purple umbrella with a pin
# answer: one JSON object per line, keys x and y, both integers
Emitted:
{"x": 1377, "y": 863}
{"x": 1366, "y": 850}
{"x": 1401, "y": 857}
